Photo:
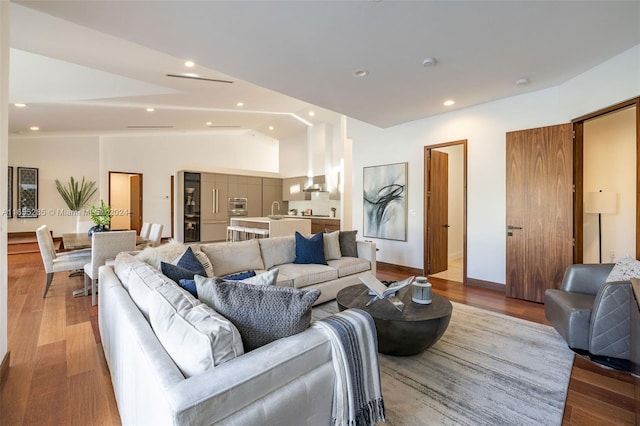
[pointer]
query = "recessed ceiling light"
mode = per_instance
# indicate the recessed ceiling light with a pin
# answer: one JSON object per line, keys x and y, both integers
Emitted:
{"x": 311, "y": 113}
{"x": 360, "y": 73}
{"x": 190, "y": 74}
{"x": 34, "y": 128}
{"x": 209, "y": 123}
{"x": 428, "y": 62}
{"x": 270, "y": 127}
{"x": 150, "y": 109}
{"x": 189, "y": 64}
{"x": 240, "y": 104}
{"x": 20, "y": 105}
{"x": 522, "y": 81}
{"x": 449, "y": 102}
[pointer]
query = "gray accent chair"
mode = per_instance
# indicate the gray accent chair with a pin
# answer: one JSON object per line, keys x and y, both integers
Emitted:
{"x": 591, "y": 314}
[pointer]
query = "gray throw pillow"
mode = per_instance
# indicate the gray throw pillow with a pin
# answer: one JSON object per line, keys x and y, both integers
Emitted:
{"x": 348, "y": 245}
{"x": 262, "y": 314}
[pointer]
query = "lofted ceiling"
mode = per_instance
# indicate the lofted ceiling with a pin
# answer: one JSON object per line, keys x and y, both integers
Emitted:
{"x": 95, "y": 66}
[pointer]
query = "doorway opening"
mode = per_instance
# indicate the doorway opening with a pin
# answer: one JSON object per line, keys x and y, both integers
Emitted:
{"x": 125, "y": 199}
{"x": 606, "y": 157}
{"x": 445, "y": 218}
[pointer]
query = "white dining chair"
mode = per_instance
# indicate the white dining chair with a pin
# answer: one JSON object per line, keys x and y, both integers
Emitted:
{"x": 104, "y": 247}
{"x": 155, "y": 234}
{"x": 58, "y": 262}
{"x": 144, "y": 231}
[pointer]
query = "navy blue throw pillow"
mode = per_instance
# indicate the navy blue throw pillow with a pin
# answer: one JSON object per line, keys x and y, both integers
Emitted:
{"x": 310, "y": 250}
{"x": 176, "y": 273}
{"x": 240, "y": 276}
{"x": 190, "y": 286}
{"x": 190, "y": 262}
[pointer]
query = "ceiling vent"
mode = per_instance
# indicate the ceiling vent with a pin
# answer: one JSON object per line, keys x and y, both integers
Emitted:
{"x": 189, "y": 77}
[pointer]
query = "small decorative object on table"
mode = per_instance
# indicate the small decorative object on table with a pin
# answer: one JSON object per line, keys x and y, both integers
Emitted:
{"x": 101, "y": 216}
{"x": 379, "y": 291}
{"x": 421, "y": 291}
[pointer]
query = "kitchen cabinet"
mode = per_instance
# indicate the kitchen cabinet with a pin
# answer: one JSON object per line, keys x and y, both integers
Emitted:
{"x": 201, "y": 203}
{"x": 293, "y": 189}
{"x": 320, "y": 225}
{"x": 272, "y": 191}
{"x": 214, "y": 216}
{"x": 254, "y": 196}
{"x": 210, "y": 231}
{"x": 238, "y": 186}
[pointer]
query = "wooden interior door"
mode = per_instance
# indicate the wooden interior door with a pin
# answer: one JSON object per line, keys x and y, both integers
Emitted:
{"x": 135, "y": 202}
{"x": 539, "y": 210}
{"x": 437, "y": 211}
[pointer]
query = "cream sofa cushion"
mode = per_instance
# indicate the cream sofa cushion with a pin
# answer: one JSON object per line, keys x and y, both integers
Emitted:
{"x": 140, "y": 279}
{"x": 303, "y": 275}
{"x": 350, "y": 265}
{"x": 229, "y": 258}
{"x": 278, "y": 250}
{"x": 195, "y": 336}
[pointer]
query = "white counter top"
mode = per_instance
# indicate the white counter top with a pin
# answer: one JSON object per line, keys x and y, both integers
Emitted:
{"x": 265, "y": 219}
{"x": 276, "y": 227}
{"x": 311, "y": 217}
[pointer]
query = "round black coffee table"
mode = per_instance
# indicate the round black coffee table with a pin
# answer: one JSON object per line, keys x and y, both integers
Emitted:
{"x": 404, "y": 333}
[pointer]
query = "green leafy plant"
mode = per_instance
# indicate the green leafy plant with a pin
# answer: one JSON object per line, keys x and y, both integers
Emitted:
{"x": 76, "y": 194}
{"x": 101, "y": 215}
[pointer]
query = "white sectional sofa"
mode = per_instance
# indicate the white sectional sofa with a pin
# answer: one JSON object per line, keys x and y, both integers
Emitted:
{"x": 289, "y": 381}
{"x": 280, "y": 252}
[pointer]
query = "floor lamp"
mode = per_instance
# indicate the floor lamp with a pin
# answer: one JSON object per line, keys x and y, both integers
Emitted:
{"x": 600, "y": 203}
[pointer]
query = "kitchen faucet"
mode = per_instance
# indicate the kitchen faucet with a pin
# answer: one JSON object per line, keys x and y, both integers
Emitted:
{"x": 275, "y": 202}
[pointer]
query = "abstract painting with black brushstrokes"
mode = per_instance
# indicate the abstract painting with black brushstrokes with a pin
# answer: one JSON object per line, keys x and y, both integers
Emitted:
{"x": 385, "y": 201}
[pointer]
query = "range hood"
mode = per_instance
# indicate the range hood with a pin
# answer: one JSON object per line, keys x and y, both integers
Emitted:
{"x": 316, "y": 187}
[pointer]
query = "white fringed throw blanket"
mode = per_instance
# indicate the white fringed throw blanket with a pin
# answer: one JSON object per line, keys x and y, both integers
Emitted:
{"x": 357, "y": 397}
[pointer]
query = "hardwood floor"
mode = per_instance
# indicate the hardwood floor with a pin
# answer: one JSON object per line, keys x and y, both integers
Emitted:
{"x": 58, "y": 374}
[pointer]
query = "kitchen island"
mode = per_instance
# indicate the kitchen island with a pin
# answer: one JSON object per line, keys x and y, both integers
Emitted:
{"x": 270, "y": 227}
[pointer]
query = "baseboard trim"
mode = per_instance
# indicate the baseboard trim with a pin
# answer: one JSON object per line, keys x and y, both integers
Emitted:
{"x": 489, "y": 285}
{"x": 4, "y": 368}
{"x": 400, "y": 268}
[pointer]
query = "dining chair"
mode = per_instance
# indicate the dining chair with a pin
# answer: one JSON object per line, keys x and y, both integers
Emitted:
{"x": 58, "y": 262}
{"x": 144, "y": 231}
{"x": 104, "y": 247}
{"x": 155, "y": 234}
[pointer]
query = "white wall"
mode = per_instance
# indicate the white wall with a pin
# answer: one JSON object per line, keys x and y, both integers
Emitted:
{"x": 610, "y": 165}
{"x": 484, "y": 126}
{"x": 158, "y": 157}
{"x": 4, "y": 145}
{"x": 293, "y": 155}
{"x": 59, "y": 158}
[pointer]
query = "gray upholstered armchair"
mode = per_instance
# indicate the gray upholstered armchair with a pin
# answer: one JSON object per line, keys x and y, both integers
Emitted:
{"x": 589, "y": 313}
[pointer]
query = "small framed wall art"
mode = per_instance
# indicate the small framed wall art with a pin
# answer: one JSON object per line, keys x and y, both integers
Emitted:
{"x": 27, "y": 192}
{"x": 10, "y": 192}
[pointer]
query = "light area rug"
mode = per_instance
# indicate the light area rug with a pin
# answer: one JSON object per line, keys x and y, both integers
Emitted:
{"x": 487, "y": 369}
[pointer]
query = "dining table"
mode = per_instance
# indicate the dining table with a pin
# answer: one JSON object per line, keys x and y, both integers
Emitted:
{"x": 77, "y": 241}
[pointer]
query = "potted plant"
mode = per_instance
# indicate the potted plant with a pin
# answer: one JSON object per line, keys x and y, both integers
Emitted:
{"x": 101, "y": 216}
{"x": 76, "y": 194}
